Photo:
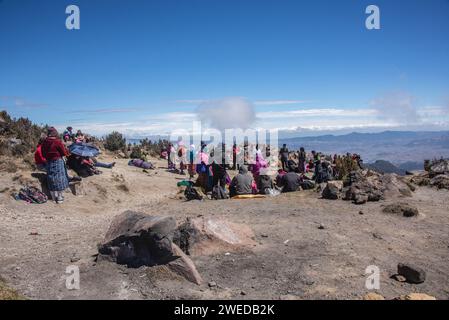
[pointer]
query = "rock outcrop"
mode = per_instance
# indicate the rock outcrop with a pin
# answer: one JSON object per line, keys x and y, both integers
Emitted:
{"x": 204, "y": 236}
{"x": 135, "y": 239}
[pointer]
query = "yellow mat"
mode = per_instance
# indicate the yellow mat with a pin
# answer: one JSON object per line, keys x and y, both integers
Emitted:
{"x": 249, "y": 196}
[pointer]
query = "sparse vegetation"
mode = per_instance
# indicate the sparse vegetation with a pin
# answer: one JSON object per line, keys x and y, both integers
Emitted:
{"x": 115, "y": 141}
{"x": 154, "y": 148}
{"x": 18, "y": 136}
{"x": 7, "y": 293}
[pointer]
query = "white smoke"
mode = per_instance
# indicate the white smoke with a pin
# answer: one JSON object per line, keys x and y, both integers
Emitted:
{"x": 397, "y": 106}
{"x": 227, "y": 113}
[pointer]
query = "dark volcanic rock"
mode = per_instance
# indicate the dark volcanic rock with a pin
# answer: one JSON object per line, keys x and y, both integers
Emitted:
{"x": 330, "y": 192}
{"x": 411, "y": 273}
{"x": 402, "y": 208}
{"x": 136, "y": 239}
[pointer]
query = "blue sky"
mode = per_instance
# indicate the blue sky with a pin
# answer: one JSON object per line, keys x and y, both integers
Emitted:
{"x": 144, "y": 67}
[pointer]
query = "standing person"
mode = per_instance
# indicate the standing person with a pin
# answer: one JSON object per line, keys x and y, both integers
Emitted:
{"x": 39, "y": 160}
{"x": 219, "y": 168}
{"x": 284, "y": 157}
{"x": 302, "y": 157}
{"x": 202, "y": 162}
{"x": 182, "y": 157}
{"x": 192, "y": 161}
{"x": 234, "y": 156}
{"x": 168, "y": 156}
{"x": 53, "y": 151}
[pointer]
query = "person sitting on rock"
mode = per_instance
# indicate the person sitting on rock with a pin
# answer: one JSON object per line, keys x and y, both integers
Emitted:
{"x": 242, "y": 183}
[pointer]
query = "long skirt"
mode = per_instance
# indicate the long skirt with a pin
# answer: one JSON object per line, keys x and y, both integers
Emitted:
{"x": 57, "y": 177}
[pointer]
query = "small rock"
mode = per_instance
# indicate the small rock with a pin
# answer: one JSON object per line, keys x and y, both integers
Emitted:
{"x": 412, "y": 273}
{"x": 264, "y": 235}
{"x": 289, "y": 297}
{"x": 243, "y": 293}
{"x": 74, "y": 259}
{"x": 34, "y": 233}
{"x": 360, "y": 199}
{"x": 373, "y": 296}
{"x": 399, "y": 278}
{"x": 361, "y": 212}
{"x": 212, "y": 284}
{"x": 377, "y": 236}
{"x": 321, "y": 227}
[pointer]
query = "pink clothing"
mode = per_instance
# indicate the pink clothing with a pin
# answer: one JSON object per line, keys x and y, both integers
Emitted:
{"x": 260, "y": 163}
{"x": 202, "y": 157}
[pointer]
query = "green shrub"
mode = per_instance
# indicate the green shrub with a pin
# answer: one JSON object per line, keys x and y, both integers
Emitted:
{"x": 136, "y": 153}
{"x": 115, "y": 141}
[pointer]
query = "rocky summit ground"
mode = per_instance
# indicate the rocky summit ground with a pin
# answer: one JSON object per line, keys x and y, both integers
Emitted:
{"x": 306, "y": 247}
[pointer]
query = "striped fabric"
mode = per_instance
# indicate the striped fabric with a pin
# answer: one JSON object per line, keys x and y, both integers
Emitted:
{"x": 57, "y": 177}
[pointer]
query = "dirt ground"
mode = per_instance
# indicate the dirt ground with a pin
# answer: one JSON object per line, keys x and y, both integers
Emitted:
{"x": 294, "y": 258}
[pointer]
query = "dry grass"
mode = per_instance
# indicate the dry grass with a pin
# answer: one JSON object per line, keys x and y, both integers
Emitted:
{"x": 7, "y": 293}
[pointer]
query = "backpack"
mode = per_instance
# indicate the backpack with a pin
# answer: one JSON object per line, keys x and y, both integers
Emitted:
{"x": 32, "y": 195}
{"x": 192, "y": 194}
{"x": 180, "y": 152}
{"x": 218, "y": 193}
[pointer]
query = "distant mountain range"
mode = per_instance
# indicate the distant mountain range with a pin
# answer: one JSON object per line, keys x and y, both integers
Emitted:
{"x": 404, "y": 149}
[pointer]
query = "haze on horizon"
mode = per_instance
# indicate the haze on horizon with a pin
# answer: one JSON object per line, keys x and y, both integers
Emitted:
{"x": 147, "y": 67}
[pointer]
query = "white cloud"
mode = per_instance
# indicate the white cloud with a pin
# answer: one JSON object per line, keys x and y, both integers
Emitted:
{"x": 396, "y": 106}
{"x": 317, "y": 112}
{"x": 227, "y": 113}
{"x": 278, "y": 102}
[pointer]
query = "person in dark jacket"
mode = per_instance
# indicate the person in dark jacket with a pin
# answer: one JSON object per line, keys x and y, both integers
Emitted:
{"x": 284, "y": 156}
{"x": 302, "y": 158}
{"x": 321, "y": 173}
{"x": 290, "y": 182}
{"x": 264, "y": 184}
{"x": 241, "y": 184}
{"x": 53, "y": 150}
{"x": 219, "y": 168}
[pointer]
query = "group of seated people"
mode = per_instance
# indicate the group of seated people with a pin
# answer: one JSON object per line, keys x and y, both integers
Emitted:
{"x": 293, "y": 176}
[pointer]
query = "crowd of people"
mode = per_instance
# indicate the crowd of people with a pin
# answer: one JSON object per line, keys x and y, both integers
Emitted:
{"x": 292, "y": 170}
{"x": 297, "y": 169}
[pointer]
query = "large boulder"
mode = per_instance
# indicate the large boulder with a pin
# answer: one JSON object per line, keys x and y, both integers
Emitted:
{"x": 136, "y": 239}
{"x": 411, "y": 273}
{"x": 361, "y": 192}
{"x": 205, "y": 236}
{"x": 440, "y": 181}
{"x": 393, "y": 185}
{"x": 439, "y": 167}
{"x": 332, "y": 190}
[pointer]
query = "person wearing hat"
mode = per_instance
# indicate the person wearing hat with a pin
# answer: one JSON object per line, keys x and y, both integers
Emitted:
{"x": 53, "y": 150}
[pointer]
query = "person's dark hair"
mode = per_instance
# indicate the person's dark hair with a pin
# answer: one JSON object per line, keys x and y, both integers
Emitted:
{"x": 301, "y": 149}
{"x": 42, "y": 139}
{"x": 52, "y": 132}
